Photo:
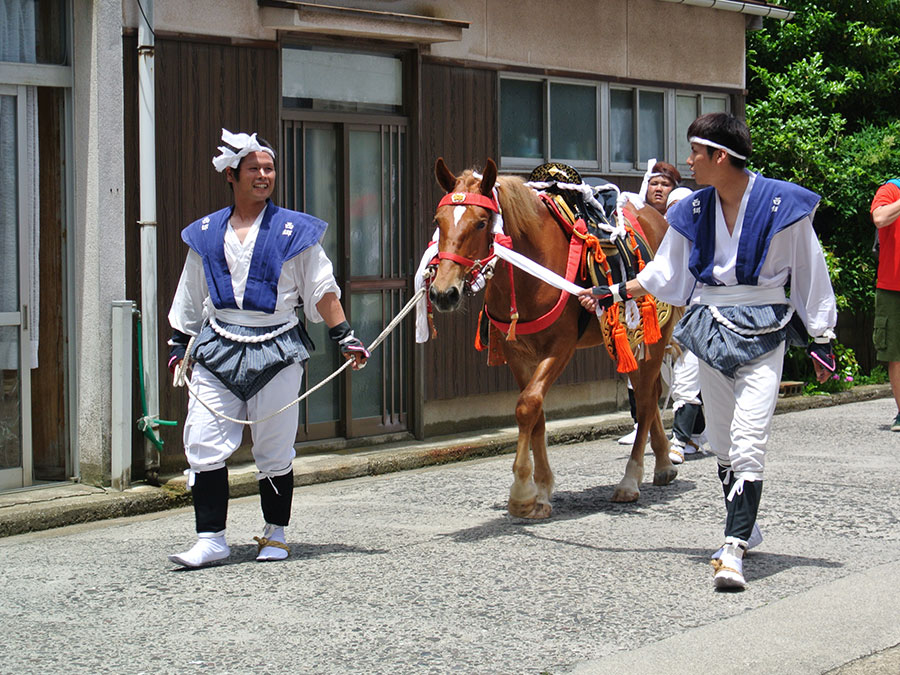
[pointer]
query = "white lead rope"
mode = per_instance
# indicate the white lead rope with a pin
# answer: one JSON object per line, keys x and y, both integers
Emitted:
{"x": 180, "y": 378}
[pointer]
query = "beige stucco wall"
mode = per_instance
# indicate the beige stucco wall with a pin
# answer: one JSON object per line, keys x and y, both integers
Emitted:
{"x": 636, "y": 39}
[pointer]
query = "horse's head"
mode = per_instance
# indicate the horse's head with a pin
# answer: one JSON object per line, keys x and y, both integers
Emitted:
{"x": 463, "y": 220}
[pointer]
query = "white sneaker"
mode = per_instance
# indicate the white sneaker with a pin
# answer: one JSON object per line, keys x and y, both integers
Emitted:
{"x": 677, "y": 451}
{"x": 271, "y": 545}
{"x": 729, "y": 567}
{"x": 210, "y": 548}
{"x": 628, "y": 439}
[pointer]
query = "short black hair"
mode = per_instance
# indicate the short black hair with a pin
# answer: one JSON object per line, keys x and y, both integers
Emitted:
{"x": 724, "y": 129}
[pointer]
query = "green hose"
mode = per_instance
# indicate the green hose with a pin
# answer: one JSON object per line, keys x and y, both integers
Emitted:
{"x": 146, "y": 423}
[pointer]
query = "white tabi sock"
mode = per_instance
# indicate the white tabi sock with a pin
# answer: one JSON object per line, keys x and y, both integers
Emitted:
{"x": 210, "y": 548}
{"x": 271, "y": 544}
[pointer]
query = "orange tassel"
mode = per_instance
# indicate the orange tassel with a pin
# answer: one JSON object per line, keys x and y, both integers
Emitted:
{"x": 431, "y": 323}
{"x": 649, "y": 320}
{"x": 511, "y": 335}
{"x": 627, "y": 363}
{"x": 479, "y": 345}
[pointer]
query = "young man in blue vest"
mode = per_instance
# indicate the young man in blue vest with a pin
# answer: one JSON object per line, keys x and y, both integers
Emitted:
{"x": 732, "y": 248}
{"x": 249, "y": 267}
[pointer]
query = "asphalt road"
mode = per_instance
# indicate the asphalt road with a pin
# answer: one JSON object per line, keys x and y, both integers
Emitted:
{"x": 423, "y": 572}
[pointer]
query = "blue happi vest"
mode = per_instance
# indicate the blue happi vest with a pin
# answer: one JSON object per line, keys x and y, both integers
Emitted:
{"x": 283, "y": 234}
{"x": 772, "y": 206}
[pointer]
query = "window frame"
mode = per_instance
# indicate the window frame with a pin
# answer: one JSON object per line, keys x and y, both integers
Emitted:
{"x": 700, "y": 97}
{"x": 603, "y": 89}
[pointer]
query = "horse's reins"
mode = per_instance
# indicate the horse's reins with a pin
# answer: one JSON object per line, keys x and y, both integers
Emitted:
{"x": 181, "y": 369}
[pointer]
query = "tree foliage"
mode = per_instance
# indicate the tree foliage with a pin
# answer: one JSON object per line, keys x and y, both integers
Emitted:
{"x": 823, "y": 107}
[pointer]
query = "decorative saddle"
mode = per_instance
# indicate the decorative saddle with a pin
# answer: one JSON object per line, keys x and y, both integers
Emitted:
{"x": 614, "y": 249}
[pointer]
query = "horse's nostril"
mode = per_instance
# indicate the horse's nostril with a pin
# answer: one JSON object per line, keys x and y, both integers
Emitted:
{"x": 446, "y": 300}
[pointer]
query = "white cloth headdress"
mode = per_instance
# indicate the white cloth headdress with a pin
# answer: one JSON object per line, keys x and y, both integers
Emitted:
{"x": 243, "y": 145}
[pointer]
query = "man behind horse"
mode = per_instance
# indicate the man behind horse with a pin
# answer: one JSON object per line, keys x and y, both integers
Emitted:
{"x": 734, "y": 246}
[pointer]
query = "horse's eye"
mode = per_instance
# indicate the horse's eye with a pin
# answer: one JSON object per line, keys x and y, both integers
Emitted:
{"x": 481, "y": 224}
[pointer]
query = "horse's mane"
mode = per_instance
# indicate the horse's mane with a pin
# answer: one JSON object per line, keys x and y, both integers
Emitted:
{"x": 520, "y": 206}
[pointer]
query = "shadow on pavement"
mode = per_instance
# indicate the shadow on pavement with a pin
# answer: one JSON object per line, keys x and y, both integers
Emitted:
{"x": 570, "y": 505}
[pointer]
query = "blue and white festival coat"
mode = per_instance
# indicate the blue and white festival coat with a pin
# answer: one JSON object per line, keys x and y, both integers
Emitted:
{"x": 240, "y": 298}
{"x": 736, "y": 281}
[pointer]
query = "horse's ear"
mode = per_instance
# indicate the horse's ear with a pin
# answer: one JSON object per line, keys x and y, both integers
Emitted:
{"x": 445, "y": 177}
{"x": 489, "y": 178}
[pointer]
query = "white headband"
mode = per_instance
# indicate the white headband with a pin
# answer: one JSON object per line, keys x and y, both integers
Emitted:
{"x": 244, "y": 144}
{"x": 712, "y": 144}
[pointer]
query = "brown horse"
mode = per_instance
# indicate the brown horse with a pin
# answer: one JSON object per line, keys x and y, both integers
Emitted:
{"x": 537, "y": 359}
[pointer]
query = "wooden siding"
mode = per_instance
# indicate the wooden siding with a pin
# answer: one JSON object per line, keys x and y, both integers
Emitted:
{"x": 200, "y": 88}
{"x": 49, "y": 416}
{"x": 459, "y": 122}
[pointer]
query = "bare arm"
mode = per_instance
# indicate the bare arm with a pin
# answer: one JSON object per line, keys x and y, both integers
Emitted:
{"x": 886, "y": 214}
{"x": 331, "y": 310}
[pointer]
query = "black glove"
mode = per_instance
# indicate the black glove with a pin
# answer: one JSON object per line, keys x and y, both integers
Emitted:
{"x": 177, "y": 348}
{"x": 607, "y": 296}
{"x": 822, "y": 353}
{"x": 350, "y": 344}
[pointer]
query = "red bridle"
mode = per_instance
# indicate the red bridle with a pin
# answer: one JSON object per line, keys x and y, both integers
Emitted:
{"x": 468, "y": 199}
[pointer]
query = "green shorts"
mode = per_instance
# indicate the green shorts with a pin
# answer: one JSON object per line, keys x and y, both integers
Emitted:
{"x": 886, "y": 335}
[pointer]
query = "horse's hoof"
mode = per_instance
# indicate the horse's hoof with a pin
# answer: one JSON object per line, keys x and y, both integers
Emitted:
{"x": 665, "y": 476}
{"x": 519, "y": 509}
{"x": 625, "y": 495}
{"x": 540, "y": 511}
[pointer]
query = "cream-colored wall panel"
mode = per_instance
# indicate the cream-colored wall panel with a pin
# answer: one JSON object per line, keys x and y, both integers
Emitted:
{"x": 678, "y": 43}
{"x": 221, "y": 18}
{"x": 587, "y": 36}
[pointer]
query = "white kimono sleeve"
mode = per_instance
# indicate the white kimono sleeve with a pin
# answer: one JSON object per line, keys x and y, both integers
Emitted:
{"x": 811, "y": 294}
{"x": 667, "y": 276}
{"x": 186, "y": 313}
{"x": 313, "y": 275}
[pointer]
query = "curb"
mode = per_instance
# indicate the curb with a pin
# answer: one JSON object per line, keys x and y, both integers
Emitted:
{"x": 69, "y": 504}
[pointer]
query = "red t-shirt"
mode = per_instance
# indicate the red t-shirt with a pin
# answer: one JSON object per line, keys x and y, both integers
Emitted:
{"x": 888, "y": 241}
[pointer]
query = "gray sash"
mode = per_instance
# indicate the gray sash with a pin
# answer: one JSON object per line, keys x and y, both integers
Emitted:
{"x": 246, "y": 367}
{"x": 724, "y": 349}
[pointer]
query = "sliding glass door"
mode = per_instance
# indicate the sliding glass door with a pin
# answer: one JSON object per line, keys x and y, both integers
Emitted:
{"x": 353, "y": 175}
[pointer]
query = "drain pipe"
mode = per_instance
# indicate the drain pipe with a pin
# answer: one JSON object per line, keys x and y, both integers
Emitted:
{"x": 147, "y": 222}
{"x": 752, "y": 8}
